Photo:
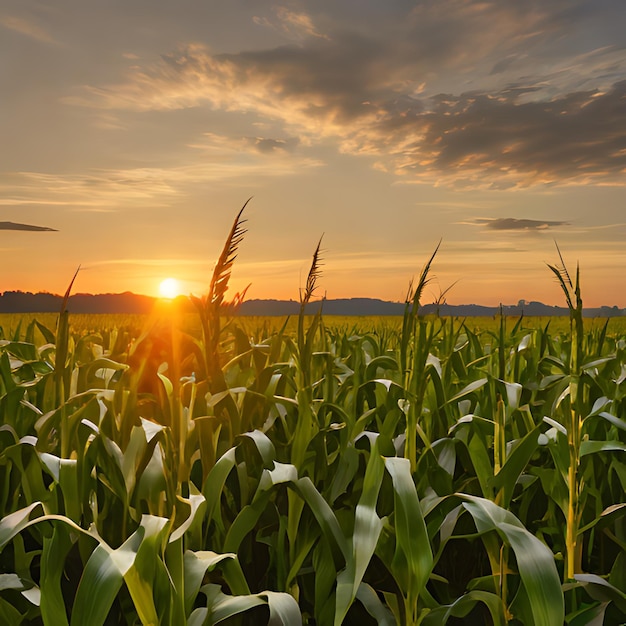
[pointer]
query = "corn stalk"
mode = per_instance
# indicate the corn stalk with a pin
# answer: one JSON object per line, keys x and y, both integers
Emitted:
{"x": 418, "y": 336}
{"x": 210, "y": 306}
{"x": 575, "y": 421}
{"x": 63, "y": 372}
{"x": 305, "y": 426}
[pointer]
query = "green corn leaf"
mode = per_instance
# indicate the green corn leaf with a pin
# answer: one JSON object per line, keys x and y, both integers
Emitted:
{"x": 513, "y": 394}
{"x": 608, "y": 516}
{"x": 131, "y": 458}
{"x": 107, "y": 569}
{"x": 13, "y": 524}
{"x": 413, "y": 559}
{"x": 55, "y": 550}
{"x": 464, "y": 604}
{"x": 471, "y": 430}
{"x": 599, "y": 405}
{"x": 516, "y": 462}
{"x": 196, "y": 504}
{"x": 592, "y": 447}
{"x": 612, "y": 419}
{"x": 199, "y": 617}
{"x": 22, "y": 350}
{"x": 304, "y": 547}
{"x": 600, "y": 589}
{"x": 68, "y": 481}
{"x": 247, "y": 519}
{"x": 469, "y": 389}
{"x": 264, "y": 445}
{"x": 304, "y": 487}
{"x": 196, "y": 564}
{"x": 215, "y": 481}
{"x": 9, "y": 614}
{"x": 102, "y": 579}
{"x": 367, "y": 528}
{"x": 284, "y": 610}
{"x": 325, "y": 579}
{"x": 535, "y": 561}
{"x": 221, "y": 606}
{"x": 373, "y": 605}
{"x": 588, "y": 616}
{"x": 47, "y": 334}
{"x": 147, "y": 579}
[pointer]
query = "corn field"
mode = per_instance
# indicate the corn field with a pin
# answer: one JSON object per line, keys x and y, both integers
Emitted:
{"x": 428, "y": 473}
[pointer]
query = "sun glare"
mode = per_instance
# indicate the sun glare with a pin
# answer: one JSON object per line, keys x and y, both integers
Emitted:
{"x": 169, "y": 288}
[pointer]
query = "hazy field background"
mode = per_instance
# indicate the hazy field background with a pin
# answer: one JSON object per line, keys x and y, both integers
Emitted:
{"x": 259, "y": 327}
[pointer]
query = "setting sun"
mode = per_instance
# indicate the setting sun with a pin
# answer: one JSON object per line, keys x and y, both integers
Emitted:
{"x": 169, "y": 288}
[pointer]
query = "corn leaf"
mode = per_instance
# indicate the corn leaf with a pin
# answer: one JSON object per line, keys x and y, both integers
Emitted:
{"x": 535, "y": 561}
{"x": 55, "y": 550}
{"x": 367, "y": 528}
{"x": 413, "y": 559}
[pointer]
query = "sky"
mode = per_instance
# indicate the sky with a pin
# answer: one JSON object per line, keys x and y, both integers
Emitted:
{"x": 133, "y": 131}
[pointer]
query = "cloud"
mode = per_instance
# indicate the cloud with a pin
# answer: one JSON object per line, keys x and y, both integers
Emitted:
{"x": 512, "y": 223}
{"x": 298, "y": 22}
{"x": 99, "y": 190}
{"x": 295, "y": 24}
{"x": 475, "y": 138}
{"x": 213, "y": 158}
{"x": 266, "y": 145}
{"x": 234, "y": 157}
{"x": 15, "y": 226}
{"x": 447, "y": 93}
{"x": 27, "y": 28}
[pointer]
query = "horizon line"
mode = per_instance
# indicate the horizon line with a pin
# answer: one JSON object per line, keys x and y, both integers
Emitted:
{"x": 519, "y": 304}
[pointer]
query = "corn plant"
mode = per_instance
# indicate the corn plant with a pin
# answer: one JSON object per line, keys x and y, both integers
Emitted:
{"x": 423, "y": 471}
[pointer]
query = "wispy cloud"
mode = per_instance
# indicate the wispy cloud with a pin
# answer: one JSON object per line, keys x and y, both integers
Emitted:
{"x": 27, "y": 28}
{"x": 294, "y": 24}
{"x": 212, "y": 158}
{"x": 30, "y": 227}
{"x": 93, "y": 190}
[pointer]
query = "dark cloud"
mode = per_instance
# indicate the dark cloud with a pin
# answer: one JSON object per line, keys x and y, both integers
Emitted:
{"x": 502, "y": 65}
{"x": 30, "y": 227}
{"x": 501, "y": 138}
{"x": 579, "y": 138}
{"x": 266, "y": 145}
{"x": 512, "y": 223}
{"x": 324, "y": 78}
{"x": 375, "y": 92}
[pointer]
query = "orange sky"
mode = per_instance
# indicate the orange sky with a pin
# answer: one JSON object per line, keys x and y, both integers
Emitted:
{"x": 137, "y": 130}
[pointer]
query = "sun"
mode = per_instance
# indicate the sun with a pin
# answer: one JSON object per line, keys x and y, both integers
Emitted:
{"x": 169, "y": 288}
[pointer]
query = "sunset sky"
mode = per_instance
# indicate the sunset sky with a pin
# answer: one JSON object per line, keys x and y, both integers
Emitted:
{"x": 132, "y": 131}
